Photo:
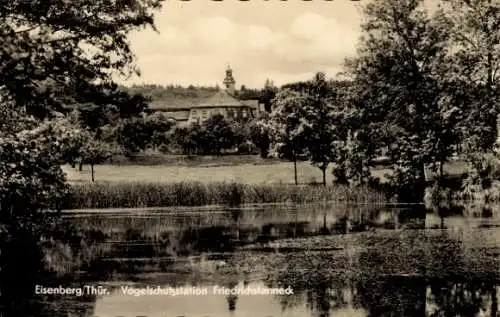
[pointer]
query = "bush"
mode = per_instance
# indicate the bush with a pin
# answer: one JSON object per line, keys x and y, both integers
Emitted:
{"x": 436, "y": 196}
{"x": 31, "y": 153}
{"x": 483, "y": 178}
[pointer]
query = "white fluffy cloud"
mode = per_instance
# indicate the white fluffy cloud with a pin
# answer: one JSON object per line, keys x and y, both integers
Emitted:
{"x": 259, "y": 37}
{"x": 197, "y": 52}
{"x": 216, "y": 32}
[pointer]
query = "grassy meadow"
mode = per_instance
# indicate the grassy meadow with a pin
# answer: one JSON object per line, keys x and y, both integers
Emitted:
{"x": 274, "y": 172}
{"x": 243, "y": 173}
{"x": 240, "y": 169}
{"x": 155, "y": 158}
{"x": 245, "y": 180}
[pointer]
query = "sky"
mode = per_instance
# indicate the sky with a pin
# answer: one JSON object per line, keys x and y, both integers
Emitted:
{"x": 284, "y": 41}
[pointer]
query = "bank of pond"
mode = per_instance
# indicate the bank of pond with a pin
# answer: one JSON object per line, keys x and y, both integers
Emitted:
{"x": 136, "y": 194}
{"x": 339, "y": 259}
{"x": 144, "y": 194}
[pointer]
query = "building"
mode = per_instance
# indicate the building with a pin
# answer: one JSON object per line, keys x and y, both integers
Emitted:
{"x": 224, "y": 102}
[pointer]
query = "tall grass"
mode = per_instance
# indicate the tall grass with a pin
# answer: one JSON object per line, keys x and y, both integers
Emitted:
{"x": 141, "y": 194}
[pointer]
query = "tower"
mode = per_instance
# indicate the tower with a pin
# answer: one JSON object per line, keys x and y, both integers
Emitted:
{"x": 229, "y": 82}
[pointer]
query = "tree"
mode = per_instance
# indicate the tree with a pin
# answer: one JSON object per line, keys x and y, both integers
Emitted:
{"x": 158, "y": 126}
{"x": 54, "y": 56}
{"x": 317, "y": 86}
{"x": 322, "y": 125}
{"x": 95, "y": 152}
{"x": 476, "y": 74}
{"x": 139, "y": 134}
{"x": 217, "y": 134}
{"x": 320, "y": 137}
{"x": 268, "y": 94}
{"x": 401, "y": 72}
{"x": 360, "y": 140}
{"x": 320, "y": 120}
{"x": 31, "y": 153}
{"x": 242, "y": 139}
{"x": 133, "y": 135}
{"x": 259, "y": 134}
{"x": 187, "y": 138}
{"x": 249, "y": 94}
{"x": 287, "y": 125}
{"x": 57, "y": 54}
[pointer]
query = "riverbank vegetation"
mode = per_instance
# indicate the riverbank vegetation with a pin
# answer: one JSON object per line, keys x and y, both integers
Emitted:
{"x": 140, "y": 194}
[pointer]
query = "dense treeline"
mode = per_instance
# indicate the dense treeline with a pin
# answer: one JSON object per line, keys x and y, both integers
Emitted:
{"x": 214, "y": 136}
{"x": 159, "y": 92}
{"x": 155, "y": 131}
{"x": 424, "y": 86}
{"x": 178, "y": 93}
{"x": 159, "y": 133}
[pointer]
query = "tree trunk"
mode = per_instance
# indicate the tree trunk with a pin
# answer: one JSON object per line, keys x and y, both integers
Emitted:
{"x": 347, "y": 221}
{"x": 296, "y": 221}
{"x": 494, "y": 302}
{"x": 441, "y": 173}
{"x": 421, "y": 182}
{"x": 324, "y": 176}
{"x": 490, "y": 71}
{"x": 295, "y": 169}
{"x": 423, "y": 173}
{"x": 80, "y": 166}
{"x": 92, "y": 171}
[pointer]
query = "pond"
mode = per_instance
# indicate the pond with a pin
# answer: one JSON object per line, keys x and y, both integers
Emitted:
{"x": 311, "y": 260}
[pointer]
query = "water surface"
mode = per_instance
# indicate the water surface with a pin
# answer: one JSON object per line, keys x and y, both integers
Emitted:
{"x": 339, "y": 260}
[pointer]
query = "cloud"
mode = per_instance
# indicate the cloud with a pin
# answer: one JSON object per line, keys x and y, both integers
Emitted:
{"x": 217, "y": 32}
{"x": 309, "y": 25}
{"x": 199, "y": 51}
{"x": 325, "y": 38}
{"x": 260, "y": 37}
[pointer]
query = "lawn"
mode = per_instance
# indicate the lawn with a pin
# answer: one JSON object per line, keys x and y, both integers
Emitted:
{"x": 208, "y": 171}
{"x": 281, "y": 172}
{"x": 155, "y": 158}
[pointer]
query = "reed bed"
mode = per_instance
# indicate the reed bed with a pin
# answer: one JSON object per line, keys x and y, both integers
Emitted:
{"x": 142, "y": 194}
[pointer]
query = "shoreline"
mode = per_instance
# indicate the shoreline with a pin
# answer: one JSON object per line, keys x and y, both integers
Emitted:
{"x": 218, "y": 208}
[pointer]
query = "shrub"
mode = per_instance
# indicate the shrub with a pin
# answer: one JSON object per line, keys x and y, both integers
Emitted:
{"x": 483, "y": 178}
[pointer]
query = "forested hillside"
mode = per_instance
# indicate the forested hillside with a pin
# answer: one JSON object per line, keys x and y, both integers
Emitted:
{"x": 173, "y": 93}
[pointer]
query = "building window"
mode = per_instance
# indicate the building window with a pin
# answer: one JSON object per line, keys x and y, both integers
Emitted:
{"x": 204, "y": 114}
{"x": 194, "y": 114}
{"x": 244, "y": 114}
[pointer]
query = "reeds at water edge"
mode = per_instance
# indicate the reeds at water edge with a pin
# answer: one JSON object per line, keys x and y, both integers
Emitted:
{"x": 142, "y": 194}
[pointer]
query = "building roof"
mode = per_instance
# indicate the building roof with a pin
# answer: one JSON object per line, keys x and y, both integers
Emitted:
{"x": 174, "y": 104}
{"x": 221, "y": 99}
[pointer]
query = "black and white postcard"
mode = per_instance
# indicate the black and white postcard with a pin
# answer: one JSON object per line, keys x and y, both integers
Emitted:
{"x": 249, "y": 158}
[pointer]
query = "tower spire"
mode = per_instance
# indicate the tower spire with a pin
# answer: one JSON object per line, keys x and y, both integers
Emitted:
{"x": 229, "y": 81}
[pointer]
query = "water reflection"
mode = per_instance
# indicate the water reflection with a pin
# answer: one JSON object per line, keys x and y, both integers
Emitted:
{"x": 342, "y": 260}
{"x": 30, "y": 260}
